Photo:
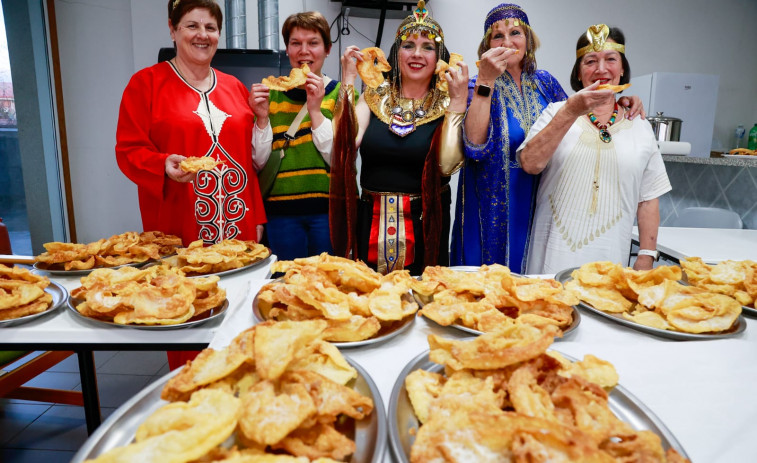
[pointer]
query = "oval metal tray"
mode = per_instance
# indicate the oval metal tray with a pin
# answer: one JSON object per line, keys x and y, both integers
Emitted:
{"x": 469, "y": 268}
{"x": 204, "y": 317}
{"x": 120, "y": 428}
{"x": 60, "y": 296}
{"x": 264, "y": 261}
{"x": 402, "y": 418}
{"x": 385, "y": 333}
{"x": 737, "y": 328}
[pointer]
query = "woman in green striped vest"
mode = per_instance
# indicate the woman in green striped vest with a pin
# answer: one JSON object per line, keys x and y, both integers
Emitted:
{"x": 297, "y": 205}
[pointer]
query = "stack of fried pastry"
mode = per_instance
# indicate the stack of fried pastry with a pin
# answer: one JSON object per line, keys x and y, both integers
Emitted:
{"x": 492, "y": 298}
{"x": 355, "y": 301}
{"x": 197, "y": 259}
{"x": 22, "y": 293}
{"x": 503, "y": 397}
{"x": 157, "y": 295}
{"x": 277, "y": 388}
{"x": 737, "y": 279}
{"x": 126, "y": 248}
{"x": 654, "y": 298}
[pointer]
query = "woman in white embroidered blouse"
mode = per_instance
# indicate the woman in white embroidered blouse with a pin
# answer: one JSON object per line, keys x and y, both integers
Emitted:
{"x": 599, "y": 169}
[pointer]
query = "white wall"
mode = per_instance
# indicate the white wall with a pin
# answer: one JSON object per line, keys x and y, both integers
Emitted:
{"x": 102, "y": 42}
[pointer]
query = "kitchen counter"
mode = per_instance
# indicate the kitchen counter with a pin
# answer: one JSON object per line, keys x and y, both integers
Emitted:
{"x": 736, "y": 162}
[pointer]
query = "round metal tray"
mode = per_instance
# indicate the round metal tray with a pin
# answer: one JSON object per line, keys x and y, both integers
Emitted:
{"x": 385, "y": 333}
{"x": 738, "y": 327}
{"x": 204, "y": 317}
{"x": 471, "y": 269}
{"x": 60, "y": 295}
{"x": 403, "y": 423}
{"x": 39, "y": 266}
{"x": 171, "y": 261}
{"x": 120, "y": 428}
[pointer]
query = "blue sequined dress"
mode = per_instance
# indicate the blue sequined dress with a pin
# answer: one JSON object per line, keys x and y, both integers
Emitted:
{"x": 495, "y": 198}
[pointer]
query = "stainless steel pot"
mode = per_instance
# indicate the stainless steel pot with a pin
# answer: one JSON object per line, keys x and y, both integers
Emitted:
{"x": 666, "y": 128}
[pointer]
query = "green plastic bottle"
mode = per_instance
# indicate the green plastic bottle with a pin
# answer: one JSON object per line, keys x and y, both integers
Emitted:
{"x": 752, "y": 145}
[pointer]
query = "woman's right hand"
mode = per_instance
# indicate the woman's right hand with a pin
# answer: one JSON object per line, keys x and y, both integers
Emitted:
{"x": 174, "y": 172}
{"x": 349, "y": 64}
{"x": 259, "y": 102}
{"x": 493, "y": 64}
{"x": 587, "y": 99}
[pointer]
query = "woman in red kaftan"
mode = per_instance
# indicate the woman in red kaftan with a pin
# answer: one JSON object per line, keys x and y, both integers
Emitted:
{"x": 182, "y": 108}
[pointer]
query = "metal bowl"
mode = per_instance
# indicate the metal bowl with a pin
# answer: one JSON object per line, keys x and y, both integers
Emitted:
{"x": 120, "y": 428}
{"x": 402, "y": 419}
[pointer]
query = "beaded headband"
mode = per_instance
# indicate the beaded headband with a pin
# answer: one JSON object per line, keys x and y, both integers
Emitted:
{"x": 597, "y": 35}
{"x": 420, "y": 21}
{"x": 506, "y": 11}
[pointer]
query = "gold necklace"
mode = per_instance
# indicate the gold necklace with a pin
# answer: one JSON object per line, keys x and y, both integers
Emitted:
{"x": 404, "y": 117}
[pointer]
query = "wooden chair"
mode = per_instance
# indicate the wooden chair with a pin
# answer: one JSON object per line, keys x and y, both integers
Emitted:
{"x": 12, "y": 381}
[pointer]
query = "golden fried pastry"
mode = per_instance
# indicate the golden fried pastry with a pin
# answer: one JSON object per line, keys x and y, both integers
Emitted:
{"x": 22, "y": 293}
{"x": 196, "y": 164}
{"x": 492, "y": 298}
{"x": 353, "y": 300}
{"x": 614, "y": 88}
{"x": 296, "y": 78}
{"x": 126, "y": 248}
{"x": 156, "y": 295}
{"x": 654, "y": 297}
{"x": 442, "y": 67}
{"x": 541, "y": 407}
{"x": 373, "y": 65}
{"x": 744, "y": 152}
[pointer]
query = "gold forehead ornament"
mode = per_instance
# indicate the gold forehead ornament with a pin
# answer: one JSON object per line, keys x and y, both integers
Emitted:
{"x": 598, "y": 35}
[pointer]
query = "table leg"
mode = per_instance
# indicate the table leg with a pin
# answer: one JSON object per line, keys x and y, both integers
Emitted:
{"x": 89, "y": 389}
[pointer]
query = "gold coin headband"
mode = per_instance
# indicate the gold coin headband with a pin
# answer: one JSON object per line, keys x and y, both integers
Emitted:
{"x": 597, "y": 35}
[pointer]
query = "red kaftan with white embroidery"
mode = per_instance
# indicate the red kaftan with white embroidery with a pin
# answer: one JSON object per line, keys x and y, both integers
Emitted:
{"x": 161, "y": 114}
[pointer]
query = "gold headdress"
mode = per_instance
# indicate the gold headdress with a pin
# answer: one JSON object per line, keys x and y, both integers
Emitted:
{"x": 420, "y": 21}
{"x": 597, "y": 35}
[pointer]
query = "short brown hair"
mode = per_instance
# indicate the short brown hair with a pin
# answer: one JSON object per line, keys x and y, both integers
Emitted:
{"x": 308, "y": 20}
{"x": 618, "y": 37}
{"x": 178, "y": 8}
{"x": 532, "y": 44}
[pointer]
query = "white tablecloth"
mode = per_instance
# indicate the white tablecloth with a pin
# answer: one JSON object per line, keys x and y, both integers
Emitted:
{"x": 711, "y": 244}
{"x": 702, "y": 390}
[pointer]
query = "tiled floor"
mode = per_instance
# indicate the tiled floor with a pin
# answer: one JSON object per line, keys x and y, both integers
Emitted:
{"x": 35, "y": 431}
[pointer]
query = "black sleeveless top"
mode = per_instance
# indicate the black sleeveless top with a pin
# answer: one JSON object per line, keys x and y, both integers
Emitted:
{"x": 391, "y": 163}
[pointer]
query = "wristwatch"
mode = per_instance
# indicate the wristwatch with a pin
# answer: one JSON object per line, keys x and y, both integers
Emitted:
{"x": 483, "y": 90}
{"x": 648, "y": 252}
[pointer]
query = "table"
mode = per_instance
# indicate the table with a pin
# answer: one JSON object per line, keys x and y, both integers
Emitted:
{"x": 66, "y": 331}
{"x": 713, "y": 245}
{"x": 702, "y": 390}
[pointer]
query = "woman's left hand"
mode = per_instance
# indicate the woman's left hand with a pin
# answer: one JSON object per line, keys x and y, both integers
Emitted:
{"x": 457, "y": 81}
{"x": 634, "y": 107}
{"x": 315, "y": 90}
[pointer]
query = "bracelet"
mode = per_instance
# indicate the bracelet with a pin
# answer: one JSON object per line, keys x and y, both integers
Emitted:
{"x": 454, "y": 113}
{"x": 654, "y": 254}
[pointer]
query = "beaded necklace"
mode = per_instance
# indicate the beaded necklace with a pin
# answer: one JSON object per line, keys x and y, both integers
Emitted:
{"x": 604, "y": 135}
